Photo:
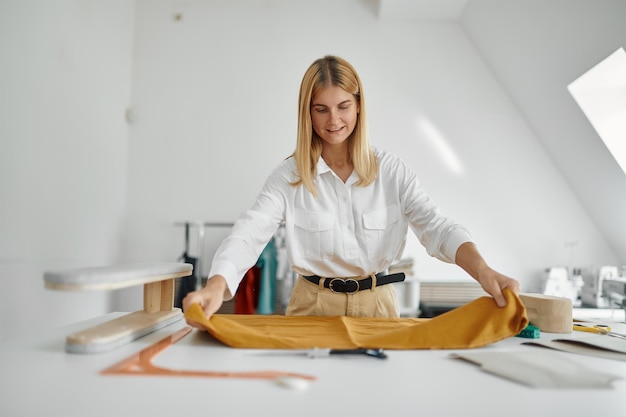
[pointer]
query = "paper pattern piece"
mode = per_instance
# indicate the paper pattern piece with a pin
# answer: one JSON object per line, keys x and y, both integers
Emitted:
{"x": 539, "y": 369}
{"x": 478, "y": 323}
{"x": 602, "y": 346}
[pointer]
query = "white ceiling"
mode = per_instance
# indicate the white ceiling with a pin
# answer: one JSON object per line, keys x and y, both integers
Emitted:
{"x": 421, "y": 9}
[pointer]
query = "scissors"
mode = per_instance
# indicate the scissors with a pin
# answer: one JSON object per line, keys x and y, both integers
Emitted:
{"x": 599, "y": 329}
{"x": 325, "y": 352}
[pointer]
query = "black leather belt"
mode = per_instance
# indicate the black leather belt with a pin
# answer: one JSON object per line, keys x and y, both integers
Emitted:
{"x": 351, "y": 285}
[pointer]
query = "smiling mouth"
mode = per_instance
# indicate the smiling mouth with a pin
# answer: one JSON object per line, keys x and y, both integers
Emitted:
{"x": 335, "y": 130}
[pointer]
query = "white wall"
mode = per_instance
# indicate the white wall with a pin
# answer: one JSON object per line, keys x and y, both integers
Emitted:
{"x": 215, "y": 96}
{"x": 65, "y": 83}
{"x": 214, "y": 99}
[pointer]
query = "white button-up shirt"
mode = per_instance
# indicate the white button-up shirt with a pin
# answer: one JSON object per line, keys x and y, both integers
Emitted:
{"x": 344, "y": 231}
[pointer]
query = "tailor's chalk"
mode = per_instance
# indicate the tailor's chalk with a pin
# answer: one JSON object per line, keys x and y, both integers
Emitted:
{"x": 292, "y": 382}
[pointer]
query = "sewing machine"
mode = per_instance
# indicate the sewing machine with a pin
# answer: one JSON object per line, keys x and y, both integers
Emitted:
{"x": 593, "y": 293}
{"x": 558, "y": 283}
{"x": 594, "y": 288}
{"x": 614, "y": 291}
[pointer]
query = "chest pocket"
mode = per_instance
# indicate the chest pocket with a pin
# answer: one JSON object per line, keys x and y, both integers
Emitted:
{"x": 314, "y": 234}
{"x": 381, "y": 236}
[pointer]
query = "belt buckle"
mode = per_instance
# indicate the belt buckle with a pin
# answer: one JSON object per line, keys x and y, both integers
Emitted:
{"x": 330, "y": 285}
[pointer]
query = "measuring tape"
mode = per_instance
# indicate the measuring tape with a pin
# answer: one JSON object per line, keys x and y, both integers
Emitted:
{"x": 597, "y": 328}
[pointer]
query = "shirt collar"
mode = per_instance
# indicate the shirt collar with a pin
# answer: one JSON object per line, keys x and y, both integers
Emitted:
{"x": 322, "y": 168}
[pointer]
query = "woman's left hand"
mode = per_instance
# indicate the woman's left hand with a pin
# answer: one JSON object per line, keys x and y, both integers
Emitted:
{"x": 494, "y": 282}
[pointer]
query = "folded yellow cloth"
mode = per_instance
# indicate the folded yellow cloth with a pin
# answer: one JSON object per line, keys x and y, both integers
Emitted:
{"x": 478, "y": 323}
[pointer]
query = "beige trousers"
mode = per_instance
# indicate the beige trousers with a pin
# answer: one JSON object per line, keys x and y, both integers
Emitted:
{"x": 308, "y": 299}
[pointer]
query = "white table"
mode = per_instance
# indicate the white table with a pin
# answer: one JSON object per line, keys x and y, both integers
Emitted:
{"x": 39, "y": 378}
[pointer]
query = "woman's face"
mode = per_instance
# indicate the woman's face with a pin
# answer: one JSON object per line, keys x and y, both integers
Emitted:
{"x": 334, "y": 114}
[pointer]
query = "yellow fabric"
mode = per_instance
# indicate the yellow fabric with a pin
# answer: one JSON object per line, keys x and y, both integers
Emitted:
{"x": 478, "y": 323}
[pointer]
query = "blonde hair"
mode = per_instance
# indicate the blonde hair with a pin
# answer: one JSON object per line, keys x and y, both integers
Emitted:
{"x": 326, "y": 72}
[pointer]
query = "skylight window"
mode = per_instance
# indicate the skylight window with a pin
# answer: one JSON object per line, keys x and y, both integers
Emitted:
{"x": 601, "y": 94}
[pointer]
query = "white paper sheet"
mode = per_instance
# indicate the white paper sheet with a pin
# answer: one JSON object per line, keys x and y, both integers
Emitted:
{"x": 539, "y": 369}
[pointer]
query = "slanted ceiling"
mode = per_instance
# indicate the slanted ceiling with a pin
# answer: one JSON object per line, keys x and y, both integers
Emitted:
{"x": 438, "y": 10}
{"x": 587, "y": 33}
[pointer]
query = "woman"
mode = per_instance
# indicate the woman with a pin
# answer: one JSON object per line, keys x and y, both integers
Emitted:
{"x": 346, "y": 208}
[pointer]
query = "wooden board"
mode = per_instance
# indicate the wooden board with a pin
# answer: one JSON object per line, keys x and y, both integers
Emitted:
{"x": 117, "y": 332}
{"x": 158, "y": 301}
{"x": 114, "y": 277}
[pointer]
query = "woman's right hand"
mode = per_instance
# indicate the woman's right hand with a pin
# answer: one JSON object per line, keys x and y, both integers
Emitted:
{"x": 210, "y": 297}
